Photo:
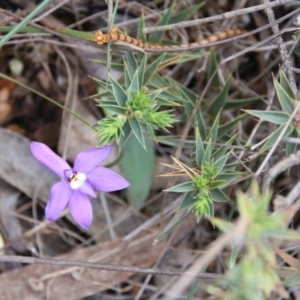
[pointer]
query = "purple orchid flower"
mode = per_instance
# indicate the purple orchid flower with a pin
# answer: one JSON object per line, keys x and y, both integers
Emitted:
{"x": 78, "y": 183}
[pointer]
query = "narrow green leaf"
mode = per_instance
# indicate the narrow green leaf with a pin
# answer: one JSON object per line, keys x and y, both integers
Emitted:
{"x": 293, "y": 280}
{"x": 218, "y": 196}
{"x": 227, "y": 127}
{"x": 212, "y": 70}
{"x": 194, "y": 289}
{"x": 227, "y": 177}
{"x": 137, "y": 130}
{"x": 141, "y": 71}
{"x": 217, "y": 183}
{"x": 187, "y": 201}
{"x": 276, "y": 117}
{"x": 199, "y": 148}
{"x": 219, "y": 102}
{"x": 102, "y": 84}
{"x": 289, "y": 147}
{"x": 233, "y": 257}
{"x": 213, "y": 133}
{"x": 186, "y": 14}
{"x": 140, "y": 34}
{"x": 187, "y": 93}
{"x": 273, "y": 137}
{"x": 118, "y": 92}
{"x": 220, "y": 163}
{"x": 182, "y": 187}
{"x": 127, "y": 76}
{"x": 219, "y": 153}
{"x": 285, "y": 100}
{"x": 154, "y": 94}
{"x": 115, "y": 109}
{"x": 284, "y": 82}
{"x": 207, "y": 153}
{"x": 134, "y": 86}
{"x": 152, "y": 69}
{"x": 24, "y": 21}
{"x": 173, "y": 141}
{"x": 239, "y": 103}
{"x": 156, "y": 81}
{"x": 126, "y": 131}
{"x": 223, "y": 225}
{"x": 131, "y": 61}
{"x": 211, "y": 210}
{"x": 174, "y": 59}
{"x": 115, "y": 66}
{"x": 281, "y": 233}
{"x": 201, "y": 124}
{"x": 164, "y": 20}
{"x": 112, "y": 21}
{"x": 23, "y": 29}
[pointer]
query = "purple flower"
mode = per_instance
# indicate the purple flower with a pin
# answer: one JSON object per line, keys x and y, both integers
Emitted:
{"x": 78, "y": 183}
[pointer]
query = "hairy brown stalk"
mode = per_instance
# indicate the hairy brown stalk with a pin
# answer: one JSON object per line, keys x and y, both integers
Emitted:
{"x": 101, "y": 38}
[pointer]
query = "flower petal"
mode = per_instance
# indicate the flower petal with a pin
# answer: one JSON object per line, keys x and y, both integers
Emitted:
{"x": 59, "y": 197}
{"x": 88, "y": 160}
{"x": 106, "y": 180}
{"x": 81, "y": 209}
{"x": 44, "y": 155}
{"x": 86, "y": 188}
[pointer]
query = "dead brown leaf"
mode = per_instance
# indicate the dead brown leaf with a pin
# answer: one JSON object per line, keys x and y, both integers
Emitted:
{"x": 37, "y": 282}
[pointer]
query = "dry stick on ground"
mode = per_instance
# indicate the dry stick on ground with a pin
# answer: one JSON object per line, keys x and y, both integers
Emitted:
{"x": 224, "y": 16}
{"x": 237, "y": 235}
{"x": 93, "y": 265}
{"x": 110, "y": 6}
{"x": 283, "y": 165}
{"x": 162, "y": 254}
{"x": 282, "y": 49}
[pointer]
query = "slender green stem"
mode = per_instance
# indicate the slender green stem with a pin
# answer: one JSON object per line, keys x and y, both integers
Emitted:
{"x": 81, "y": 35}
{"x": 47, "y": 98}
{"x": 26, "y": 29}
{"x": 23, "y": 22}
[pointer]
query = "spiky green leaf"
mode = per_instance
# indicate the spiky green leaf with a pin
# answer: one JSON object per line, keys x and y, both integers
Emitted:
{"x": 276, "y": 117}
{"x": 227, "y": 127}
{"x": 274, "y": 136}
{"x": 182, "y": 187}
{"x": 218, "y": 196}
{"x": 186, "y": 14}
{"x": 212, "y": 68}
{"x": 285, "y": 100}
{"x": 219, "y": 102}
{"x": 137, "y": 130}
{"x": 284, "y": 82}
{"x": 187, "y": 201}
{"x": 118, "y": 92}
{"x": 164, "y": 20}
{"x": 152, "y": 69}
{"x": 132, "y": 62}
{"x": 199, "y": 148}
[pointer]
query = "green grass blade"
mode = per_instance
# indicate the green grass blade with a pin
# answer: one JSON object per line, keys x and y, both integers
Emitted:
{"x": 27, "y": 19}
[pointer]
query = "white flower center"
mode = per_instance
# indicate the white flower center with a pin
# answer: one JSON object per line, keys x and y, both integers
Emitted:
{"x": 75, "y": 179}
